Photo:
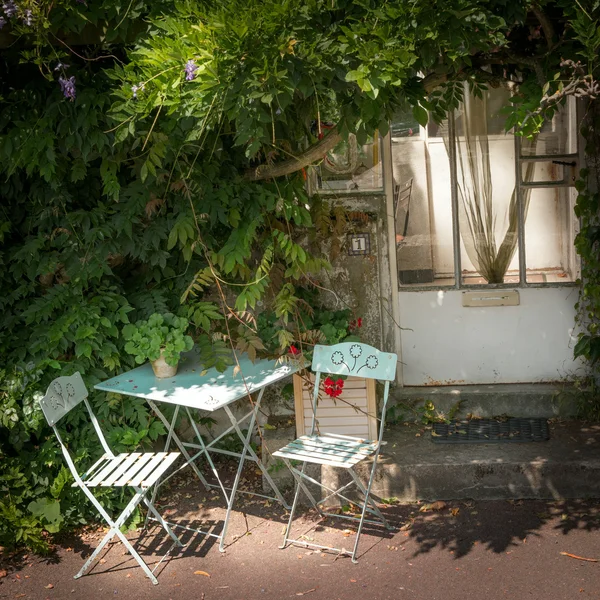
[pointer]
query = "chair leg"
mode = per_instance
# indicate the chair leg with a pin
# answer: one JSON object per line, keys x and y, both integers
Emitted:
{"x": 158, "y": 517}
{"x": 294, "y": 503}
{"x": 95, "y": 553}
{"x": 115, "y": 529}
{"x": 137, "y": 557}
{"x": 364, "y": 509}
{"x": 374, "y": 506}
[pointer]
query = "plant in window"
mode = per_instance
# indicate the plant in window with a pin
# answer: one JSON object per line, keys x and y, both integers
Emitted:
{"x": 161, "y": 340}
{"x": 490, "y": 238}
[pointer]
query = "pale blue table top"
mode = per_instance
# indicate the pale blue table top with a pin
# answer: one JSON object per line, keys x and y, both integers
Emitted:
{"x": 196, "y": 388}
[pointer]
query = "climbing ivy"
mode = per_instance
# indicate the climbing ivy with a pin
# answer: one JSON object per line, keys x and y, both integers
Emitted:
{"x": 588, "y": 242}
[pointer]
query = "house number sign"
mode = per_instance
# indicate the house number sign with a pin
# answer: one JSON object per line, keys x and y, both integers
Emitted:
{"x": 359, "y": 244}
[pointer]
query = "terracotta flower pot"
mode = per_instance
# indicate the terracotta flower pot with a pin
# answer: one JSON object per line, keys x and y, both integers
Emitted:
{"x": 162, "y": 369}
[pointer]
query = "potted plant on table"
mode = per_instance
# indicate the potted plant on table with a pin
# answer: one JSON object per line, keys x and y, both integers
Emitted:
{"x": 161, "y": 339}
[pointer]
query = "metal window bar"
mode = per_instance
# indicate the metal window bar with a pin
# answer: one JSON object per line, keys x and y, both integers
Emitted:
{"x": 454, "y": 201}
{"x": 570, "y": 160}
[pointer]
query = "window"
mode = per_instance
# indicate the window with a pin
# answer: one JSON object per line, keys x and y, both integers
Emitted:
{"x": 351, "y": 167}
{"x": 461, "y": 214}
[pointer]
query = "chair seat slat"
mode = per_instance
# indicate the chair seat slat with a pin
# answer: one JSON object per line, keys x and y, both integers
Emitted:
{"x": 122, "y": 463}
{"x": 155, "y": 460}
{"x": 110, "y": 467}
{"x": 157, "y": 473}
{"x": 340, "y": 437}
{"x": 137, "y": 466}
{"x": 329, "y": 449}
{"x": 319, "y": 459}
{"x": 99, "y": 464}
{"x": 333, "y": 450}
{"x": 337, "y": 445}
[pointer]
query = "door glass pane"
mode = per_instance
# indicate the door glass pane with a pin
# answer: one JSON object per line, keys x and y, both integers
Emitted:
{"x": 487, "y": 202}
{"x": 558, "y": 135}
{"x": 351, "y": 167}
{"x": 550, "y": 229}
{"x": 423, "y": 216}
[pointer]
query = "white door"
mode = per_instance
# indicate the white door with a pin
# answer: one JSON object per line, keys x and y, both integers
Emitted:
{"x": 486, "y": 260}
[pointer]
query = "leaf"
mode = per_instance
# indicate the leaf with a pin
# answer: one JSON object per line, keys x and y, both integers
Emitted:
{"x": 420, "y": 115}
{"x": 438, "y": 505}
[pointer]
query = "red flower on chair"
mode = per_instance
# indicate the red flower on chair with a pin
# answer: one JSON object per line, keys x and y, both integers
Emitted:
{"x": 333, "y": 388}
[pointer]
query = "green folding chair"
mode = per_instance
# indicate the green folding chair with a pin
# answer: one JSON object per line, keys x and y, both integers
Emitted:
{"x": 341, "y": 451}
{"x": 137, "y": 470}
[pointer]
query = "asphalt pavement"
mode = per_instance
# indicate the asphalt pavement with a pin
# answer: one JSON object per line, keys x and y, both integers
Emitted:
{"x": 537, "y": 550}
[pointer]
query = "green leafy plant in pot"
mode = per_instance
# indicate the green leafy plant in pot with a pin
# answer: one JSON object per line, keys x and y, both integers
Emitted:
{"x": 161, "y": 339}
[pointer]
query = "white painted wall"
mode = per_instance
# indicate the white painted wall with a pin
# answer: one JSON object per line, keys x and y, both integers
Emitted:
{"x": 445, "y": 343}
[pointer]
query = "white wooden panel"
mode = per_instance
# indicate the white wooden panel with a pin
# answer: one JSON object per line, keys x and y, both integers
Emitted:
{"x": 348, "y": 394}
{"x": 331, "y": 424}
{"x": 337, "y": 415}
{"x": 533, "y": 342}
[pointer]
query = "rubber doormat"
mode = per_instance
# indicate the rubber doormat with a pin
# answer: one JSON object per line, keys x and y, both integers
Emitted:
{"x": 490, "y": 431}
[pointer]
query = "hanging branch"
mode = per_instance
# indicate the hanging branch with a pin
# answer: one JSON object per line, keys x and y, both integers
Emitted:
{"x": 308, "y": 157}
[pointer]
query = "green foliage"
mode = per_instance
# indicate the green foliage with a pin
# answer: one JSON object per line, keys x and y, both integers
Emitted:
{"x": 137, "y": 194}
{"x": 160, "y": 334}
{"x": 587, "y": 243}
{"x": 420, "y": 410}
{"x": 312, "y": 324}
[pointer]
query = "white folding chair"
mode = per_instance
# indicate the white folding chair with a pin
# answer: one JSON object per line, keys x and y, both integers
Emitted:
{"x": 336, "y": 450}
{"x": 138, "y": 470}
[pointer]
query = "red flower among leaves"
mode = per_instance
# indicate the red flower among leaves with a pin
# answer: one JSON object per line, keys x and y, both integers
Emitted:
{"x": 294, "y": 351}
{"x": 333, "y": 388}
{"x": 355, "y": 324}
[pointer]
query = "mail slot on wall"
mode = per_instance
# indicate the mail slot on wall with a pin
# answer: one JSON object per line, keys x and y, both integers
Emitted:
{"x": 491, "y": 298}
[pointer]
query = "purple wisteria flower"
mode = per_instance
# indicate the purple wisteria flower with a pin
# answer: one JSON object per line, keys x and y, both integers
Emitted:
{"x": 2, "y": 22}
{"x": 60, "y": 66}
{"x": 67, "y": 87}
{"x": 190, "y": 70}
{"x": 28, "y": 18}
{"x": 9, "y": 8}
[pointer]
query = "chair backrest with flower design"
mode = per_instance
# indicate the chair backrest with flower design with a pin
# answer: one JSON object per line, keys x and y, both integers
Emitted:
{"x": 351, "y": 359}
{"x": 63, "y": 395}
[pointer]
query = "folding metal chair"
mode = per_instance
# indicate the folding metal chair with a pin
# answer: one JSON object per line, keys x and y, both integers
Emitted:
{"x": 138, "y": 470}
{"x": 336, "y": 450}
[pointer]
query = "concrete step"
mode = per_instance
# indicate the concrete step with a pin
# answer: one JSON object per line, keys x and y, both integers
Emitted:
{"x": 517, "y": 400}
{"x": 414, "y": 468}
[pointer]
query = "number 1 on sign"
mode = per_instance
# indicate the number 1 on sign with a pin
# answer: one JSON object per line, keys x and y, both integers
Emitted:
{"x": 359, "y": 244}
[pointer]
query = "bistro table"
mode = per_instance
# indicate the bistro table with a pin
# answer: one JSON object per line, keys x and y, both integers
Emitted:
{"x": 194, "y": 387}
